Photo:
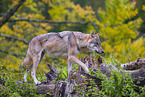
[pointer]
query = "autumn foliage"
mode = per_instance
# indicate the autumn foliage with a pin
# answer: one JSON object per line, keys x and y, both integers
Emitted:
{"x": 116, "y": 24}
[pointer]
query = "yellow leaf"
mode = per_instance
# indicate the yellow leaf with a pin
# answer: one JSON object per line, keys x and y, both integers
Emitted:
{"x": 143, "y": 7}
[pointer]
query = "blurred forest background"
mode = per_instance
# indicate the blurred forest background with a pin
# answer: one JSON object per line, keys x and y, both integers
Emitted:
{"x": 121, "y": 24}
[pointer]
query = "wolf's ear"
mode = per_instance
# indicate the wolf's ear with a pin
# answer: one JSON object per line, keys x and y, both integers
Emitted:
{"x": 92, "y": 34}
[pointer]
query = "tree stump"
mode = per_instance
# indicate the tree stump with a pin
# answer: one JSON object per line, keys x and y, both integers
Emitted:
{"x": 60, "y": 88}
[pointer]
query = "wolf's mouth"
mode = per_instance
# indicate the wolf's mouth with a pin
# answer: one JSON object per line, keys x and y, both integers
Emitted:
{"x": 98, "y": 52}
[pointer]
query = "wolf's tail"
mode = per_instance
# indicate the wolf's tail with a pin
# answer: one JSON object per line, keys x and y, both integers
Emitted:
{"x": 27, "y": 62}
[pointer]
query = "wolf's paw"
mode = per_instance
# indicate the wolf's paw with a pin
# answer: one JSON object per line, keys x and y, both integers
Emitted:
{"x": 86, "y": 70}
{"x": 38, "y": 83}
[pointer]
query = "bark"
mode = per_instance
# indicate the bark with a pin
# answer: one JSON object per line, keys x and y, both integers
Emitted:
{"x": 133, "y": 65}
{"x": 45, "y": 89}
{"x": 60, "y": 88}
{"x": 51, "y": 75}
{"x": 137, "y": 70}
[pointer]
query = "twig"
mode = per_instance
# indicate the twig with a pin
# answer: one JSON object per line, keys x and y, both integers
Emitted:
{"x": 10, "y": 12}
{"x": 15, "y": 38}
{"x": 5, "y": 51}
{"x": 36, "y": 25}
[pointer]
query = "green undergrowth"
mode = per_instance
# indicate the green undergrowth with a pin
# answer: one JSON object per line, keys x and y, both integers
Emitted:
{"x": 120, "y": 84}
{"x": 12, "y": 88}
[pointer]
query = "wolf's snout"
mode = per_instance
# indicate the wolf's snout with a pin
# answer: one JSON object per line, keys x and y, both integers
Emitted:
{"x": 100, "y": 52}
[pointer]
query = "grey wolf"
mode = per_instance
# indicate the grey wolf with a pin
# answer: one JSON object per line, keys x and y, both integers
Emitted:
{"x": 58, "y": 45}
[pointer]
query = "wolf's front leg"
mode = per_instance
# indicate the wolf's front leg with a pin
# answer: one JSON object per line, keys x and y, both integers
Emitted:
{"x": 77, "y": 61}
{"x": 69, "y": 66}
{"x": 73, "y": 51}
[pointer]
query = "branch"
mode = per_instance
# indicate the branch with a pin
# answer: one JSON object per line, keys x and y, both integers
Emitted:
{"x": 5, "y": 51}
{"x": 50, "y": 22}
{"x": 10, "y": 12}
{"x": 36, "y": 25}
{"x": 54, "y": 22}
{"x": 15, "y": 38}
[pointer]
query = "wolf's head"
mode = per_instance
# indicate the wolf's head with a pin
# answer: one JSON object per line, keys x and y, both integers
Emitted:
{"x": 94, "y": 43}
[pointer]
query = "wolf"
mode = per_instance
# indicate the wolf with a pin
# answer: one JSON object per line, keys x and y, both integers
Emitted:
{"x": 58, "y": 45}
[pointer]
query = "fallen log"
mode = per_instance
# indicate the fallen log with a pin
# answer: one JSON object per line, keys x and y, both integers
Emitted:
{"x": 68, "y": 88}
{"x": 45, "y": 89}
{"x": 133, "y": 65}
{"x": 51, "y": 75}
{"x": 137, "y": 70}
{"x": 59, "y": 90}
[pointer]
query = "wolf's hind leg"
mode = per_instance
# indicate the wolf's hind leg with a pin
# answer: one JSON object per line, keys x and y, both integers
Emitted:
{"x": 33, "y": 72}
{"x": 26, "y": 73}
{"x": 36, "y": 60}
